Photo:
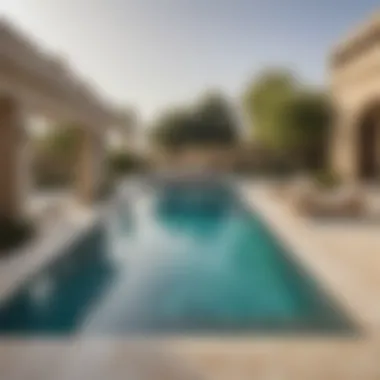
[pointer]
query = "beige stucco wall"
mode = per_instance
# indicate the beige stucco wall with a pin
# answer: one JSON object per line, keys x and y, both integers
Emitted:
{"x": 355, "y": 86}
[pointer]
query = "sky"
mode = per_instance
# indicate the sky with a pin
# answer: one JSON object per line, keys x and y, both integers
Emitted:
{"x": 153, "y": 54}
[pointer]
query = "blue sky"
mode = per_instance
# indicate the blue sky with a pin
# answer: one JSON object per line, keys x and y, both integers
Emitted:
{"x": 152, "y": 54}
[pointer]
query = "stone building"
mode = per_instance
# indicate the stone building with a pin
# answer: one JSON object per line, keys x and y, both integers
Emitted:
{"x": 355, "y": 90}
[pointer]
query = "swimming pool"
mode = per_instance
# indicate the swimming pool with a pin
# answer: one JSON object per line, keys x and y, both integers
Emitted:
{"x": 173, "y": 259}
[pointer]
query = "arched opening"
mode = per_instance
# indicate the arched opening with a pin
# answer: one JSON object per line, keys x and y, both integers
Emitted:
{"x": 368, "y": 143}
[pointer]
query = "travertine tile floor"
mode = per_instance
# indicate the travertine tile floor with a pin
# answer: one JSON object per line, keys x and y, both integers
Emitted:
{"x": 345, "y": 258}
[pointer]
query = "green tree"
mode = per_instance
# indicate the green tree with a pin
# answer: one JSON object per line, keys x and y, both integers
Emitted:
{"x": 288, "y": 118}
{"x": 215, "y": 121}
{"x": 61, "y": 141}
{"x": 306, "y": 117}
{"x": 171, "y": 130}
{"x": 56, "y": 155}
{"x": 263, "y": 102}
{"x": 210, "y": 122}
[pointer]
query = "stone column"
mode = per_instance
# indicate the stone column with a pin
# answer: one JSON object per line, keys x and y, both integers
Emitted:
{"x": 91, "y": 165}
{"x": 11, "y": 171}
{"x": 344, "y": 147}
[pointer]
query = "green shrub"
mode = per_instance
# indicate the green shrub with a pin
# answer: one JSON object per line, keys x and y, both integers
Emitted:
{"x": 326, "y": 179}
{"x": 49, "y": 181}
{"x": 14, "y": 233}
{"x": 123, "y": 163}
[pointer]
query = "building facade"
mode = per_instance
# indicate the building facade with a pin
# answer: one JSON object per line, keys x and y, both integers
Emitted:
{"x": 355, "y": 91}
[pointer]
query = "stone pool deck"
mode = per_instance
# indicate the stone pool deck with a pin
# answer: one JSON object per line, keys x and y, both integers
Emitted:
{"x": 343, "y": 257}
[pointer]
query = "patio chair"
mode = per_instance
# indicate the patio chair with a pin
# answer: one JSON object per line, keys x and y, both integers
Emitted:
{"x": 345, "y": 202}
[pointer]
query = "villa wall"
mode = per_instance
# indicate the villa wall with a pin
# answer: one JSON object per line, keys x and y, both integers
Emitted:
{"x": 355, "y": 86}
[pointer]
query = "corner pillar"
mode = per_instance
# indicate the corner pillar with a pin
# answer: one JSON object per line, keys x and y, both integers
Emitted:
{"x": 344, "y": 147}
{"x": 91, "y": 165}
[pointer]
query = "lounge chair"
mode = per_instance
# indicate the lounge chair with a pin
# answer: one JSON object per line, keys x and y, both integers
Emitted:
{"x": 346, "y": 202}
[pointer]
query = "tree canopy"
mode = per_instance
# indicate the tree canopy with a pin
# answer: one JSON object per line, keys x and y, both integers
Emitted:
{"x": 171, "y": 130}
{"x": 264, "y": 103}
{"x": 306, "y": 118}
{"x": 288, "y": 117}
{"x": 210, "y": 122}
{"x": 56, "y": 155}
{"x": 61, "y": 140}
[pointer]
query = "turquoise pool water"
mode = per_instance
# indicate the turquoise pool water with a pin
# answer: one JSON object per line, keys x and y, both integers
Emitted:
{"x": 173, "y": 260}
